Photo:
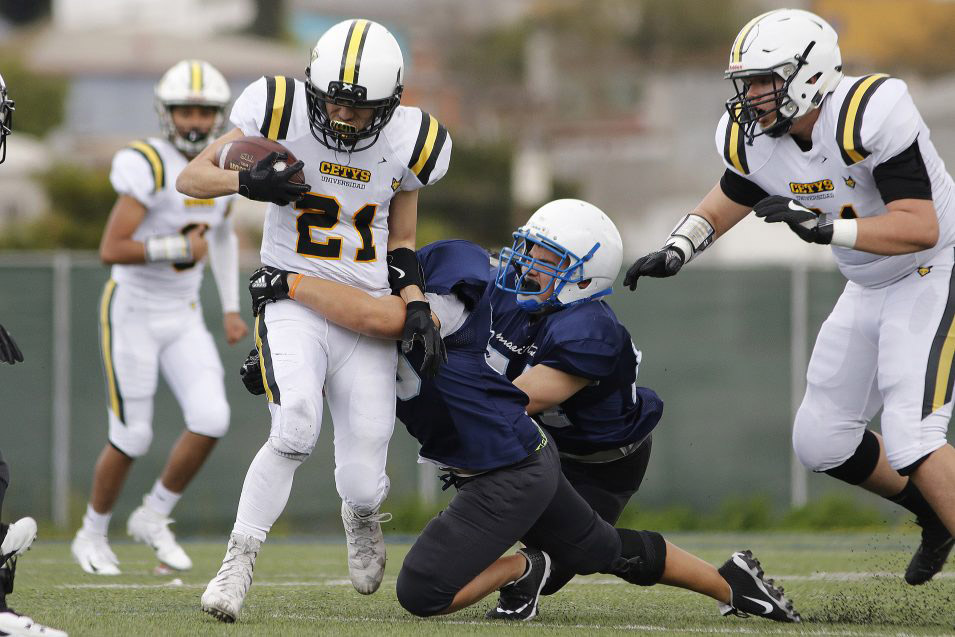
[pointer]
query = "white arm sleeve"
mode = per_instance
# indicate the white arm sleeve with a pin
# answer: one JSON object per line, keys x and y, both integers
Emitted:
{"x": 449, "y": 310}
{"x": 224, "y": 261}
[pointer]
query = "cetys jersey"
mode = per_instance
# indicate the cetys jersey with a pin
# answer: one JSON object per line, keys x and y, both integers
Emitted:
{"x": 862, "y": 124}
{"x": 146, "y": 171}
{"x": 339, "y": 230}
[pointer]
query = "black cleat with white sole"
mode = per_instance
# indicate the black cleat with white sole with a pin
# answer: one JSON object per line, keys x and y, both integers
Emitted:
{"x": 518, "y": 600}
{"x": 931, "y": 554}
{"x": 751, "y": 593}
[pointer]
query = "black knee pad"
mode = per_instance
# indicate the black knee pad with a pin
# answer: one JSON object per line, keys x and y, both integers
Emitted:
{"x": 418, "y": 594}
{"x": 643, "y": 557}
{"x": 860, "y": 464}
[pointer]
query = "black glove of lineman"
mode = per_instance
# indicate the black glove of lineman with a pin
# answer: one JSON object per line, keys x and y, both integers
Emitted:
{"x": 799, "y": 218}
{"x": 9, "y": 352}
{"x": 419, "y": 328}
{"x": 662, "y": 263}
{"x": 251, "y": 374}
{"x": 263, "y": 182}
{"x": 267, "y": 285}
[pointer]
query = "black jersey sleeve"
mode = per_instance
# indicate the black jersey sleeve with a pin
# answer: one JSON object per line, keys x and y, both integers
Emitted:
{"x": 903, "y": 176}
{"x": 740, "y": 189}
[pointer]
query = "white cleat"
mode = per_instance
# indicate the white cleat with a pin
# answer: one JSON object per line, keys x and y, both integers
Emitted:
{"x": 13, "y": 623}
{"x": 149, "y": 527}
{"x": 226, "y": 592}
{"x": 19, "y": 537}
{"x": 92, "y": 552}
{"x": 366, "y": 548}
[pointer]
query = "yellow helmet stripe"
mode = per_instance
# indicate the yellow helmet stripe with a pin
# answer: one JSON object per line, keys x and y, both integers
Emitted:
{"x": 155, "y": 161}
{"x": 195, "y": 74}
{"x": 736, "y": 53}
{"x": 354, "y": 43}
{"x": 938, "y": 375}
{"x": 849, "y": 126}
{"x": 106, "y": 343}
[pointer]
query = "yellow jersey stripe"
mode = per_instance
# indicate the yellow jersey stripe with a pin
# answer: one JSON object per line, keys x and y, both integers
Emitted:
{"x": 352, "y": 51}
{"x": 155, "y": 161}
{"x": 850, "y": 120}
{"x": 113, "y": 396}
{"x": 425, "y": 153}
{"x": 278, "y": 107}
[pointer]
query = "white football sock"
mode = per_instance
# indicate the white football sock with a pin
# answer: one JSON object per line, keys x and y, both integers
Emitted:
{"x": 96, "y": 522}
{"x": 264, "y": 493}
{"x": 161, "y": 500}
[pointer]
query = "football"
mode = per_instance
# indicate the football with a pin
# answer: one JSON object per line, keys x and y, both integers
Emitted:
{"x": 246, "y": 152}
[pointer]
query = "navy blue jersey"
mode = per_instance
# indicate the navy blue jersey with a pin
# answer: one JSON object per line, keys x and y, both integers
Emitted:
{"x": 583, "y": 340}
{"x": 468, "y": 416}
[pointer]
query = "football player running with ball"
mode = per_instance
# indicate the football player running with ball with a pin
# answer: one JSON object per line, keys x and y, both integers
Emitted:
{"x": 365, "y": 158}
{"x": 151, "y": 320}
{"x": 576, "y": 362}
{"x": 848, "y": 162}
{"x": 472, "y": 422}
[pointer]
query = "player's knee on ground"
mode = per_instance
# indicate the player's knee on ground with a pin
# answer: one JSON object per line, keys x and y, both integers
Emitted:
{"x": 643, "y": 557}
{"x": 295, "y": 425}
{"x": 361, "y": 486}
{"x": 419, "y": 593}
{"x": 821, "y": 445}
{"x": 209, "y": 417}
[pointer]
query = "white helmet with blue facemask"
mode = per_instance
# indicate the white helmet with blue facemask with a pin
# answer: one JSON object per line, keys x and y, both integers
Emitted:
{"x": 589, "y": 254}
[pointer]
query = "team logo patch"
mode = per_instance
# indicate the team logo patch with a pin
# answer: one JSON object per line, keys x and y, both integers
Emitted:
{"x": 923, "y": 270}
{"x": 849, "y": 181}
{"x": 394, "y": 184}
{"x": 823, "y": 185}
{"x": 345, "y": 172}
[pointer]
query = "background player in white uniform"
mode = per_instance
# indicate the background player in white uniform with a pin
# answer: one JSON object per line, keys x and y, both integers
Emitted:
{"x": 17, "y": 537}
{"x": 848, "y": 161}
{"x": 150, "y": 317}
{"x": 365, "y": 158}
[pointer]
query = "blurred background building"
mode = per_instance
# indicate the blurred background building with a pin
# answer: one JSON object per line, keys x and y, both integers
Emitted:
{"x": 612, "y": 101}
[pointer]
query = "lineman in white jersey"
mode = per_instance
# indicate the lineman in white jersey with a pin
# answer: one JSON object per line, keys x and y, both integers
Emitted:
{"x": 848, "y": 161}
{"x": 150, "y": 317}
{"x": 365, "y": 158}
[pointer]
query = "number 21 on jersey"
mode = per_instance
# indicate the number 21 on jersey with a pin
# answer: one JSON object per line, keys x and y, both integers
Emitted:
{"x": 322, "y": 212}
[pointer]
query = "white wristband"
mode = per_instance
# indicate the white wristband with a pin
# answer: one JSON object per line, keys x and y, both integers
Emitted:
{"x": 169, "y": 248}
{"x": 844, "y": 232}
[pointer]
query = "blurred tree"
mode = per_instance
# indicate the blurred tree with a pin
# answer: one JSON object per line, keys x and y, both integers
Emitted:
{"x": 81, "y": 200}
{"x": 40, "y": 99}
{"x": 686, "y": 31}
{"x": 24, "y": 11}
{"x": 270, "y": 17}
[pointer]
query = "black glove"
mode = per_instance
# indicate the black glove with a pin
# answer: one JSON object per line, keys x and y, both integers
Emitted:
{"x": 9, "y": 352}
{"x": 659, "y": 264}
{"x": 267, "y": 285}
{"x": 263, "y": 183}
{"x": 251, "y": 374}
{"x": 799, "y": 218}
{"x": 420, "y": 328}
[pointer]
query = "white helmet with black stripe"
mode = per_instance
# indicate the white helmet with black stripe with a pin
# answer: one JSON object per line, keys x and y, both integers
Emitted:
{"x": 358, "y": 64}
{"x": 798, "y": 48}
{"x": 6, "y": 118}
{"x": 192, "y": 83}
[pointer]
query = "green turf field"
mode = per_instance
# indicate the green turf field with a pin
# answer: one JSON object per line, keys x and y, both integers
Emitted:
{"x": 843, "y": 584}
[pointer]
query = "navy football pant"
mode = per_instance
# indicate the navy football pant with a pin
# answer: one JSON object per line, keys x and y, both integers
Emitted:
{"x": 530, "y": 501}
{"x": 606, "y": 487}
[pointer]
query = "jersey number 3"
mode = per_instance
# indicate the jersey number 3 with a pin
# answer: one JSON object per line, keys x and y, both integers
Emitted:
{"x": 321, "y": 212}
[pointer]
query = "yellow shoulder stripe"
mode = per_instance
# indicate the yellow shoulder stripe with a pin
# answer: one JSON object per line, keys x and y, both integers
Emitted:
{"x": 155, "y": 161}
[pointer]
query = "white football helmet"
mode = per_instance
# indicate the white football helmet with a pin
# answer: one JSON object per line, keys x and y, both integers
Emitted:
{"x": 585, "y": 239}
{"x": 192, "y": 82}
{"x": 801, "y": 49}
{"x": 6, "y": 118}
{"x": 356, "y": 63}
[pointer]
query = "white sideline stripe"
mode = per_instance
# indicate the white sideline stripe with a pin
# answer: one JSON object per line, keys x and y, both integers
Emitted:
{"x": 594, "y": 581}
